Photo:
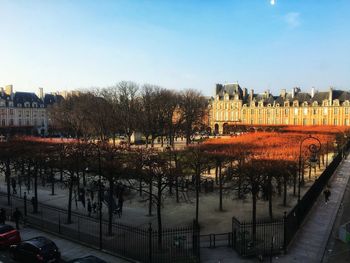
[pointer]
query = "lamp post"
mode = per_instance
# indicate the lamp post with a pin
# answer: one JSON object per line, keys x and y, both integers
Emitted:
{"x": 313, "y": 148}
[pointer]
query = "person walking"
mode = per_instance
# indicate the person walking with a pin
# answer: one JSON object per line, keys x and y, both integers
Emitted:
{"x": 17, "y": 216}
{"x": 14, "y": 186}
{"x": 94, "y": 207}
{"x": 2, "y": 216}
{"x": 89, "y": 207}
{"x": 327, "y": 194}
{"x": 120, "y": 206}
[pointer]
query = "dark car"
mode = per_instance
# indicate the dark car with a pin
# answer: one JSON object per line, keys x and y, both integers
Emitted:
{"x": 8, "y": 236}
{"x": 87, "y": 259}
{"x": 37, "y": 249}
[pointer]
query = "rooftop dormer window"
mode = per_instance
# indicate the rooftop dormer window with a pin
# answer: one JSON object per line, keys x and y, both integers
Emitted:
{"x": 35, "y": 105}
{"x": 19, "y": 105}
{"x": 26, "y": 104}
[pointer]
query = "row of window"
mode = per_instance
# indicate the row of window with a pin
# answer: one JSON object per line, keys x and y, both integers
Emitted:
{"x": 221, "y": 105}
{"x": 25, "y": 122}
{"x": 296, "y": 122}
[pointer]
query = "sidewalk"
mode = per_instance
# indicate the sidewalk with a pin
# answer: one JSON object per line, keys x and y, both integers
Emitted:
{"x": 69, "y": 250}
{"x": 310, "y": 242}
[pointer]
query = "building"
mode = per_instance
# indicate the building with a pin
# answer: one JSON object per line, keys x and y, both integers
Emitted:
{"x": 233, "y": 105}
{"x": 24, "y": 112}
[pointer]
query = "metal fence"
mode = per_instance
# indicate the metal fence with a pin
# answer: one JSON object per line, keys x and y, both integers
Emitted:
{"x": 177, "y": 244}
{"x": 216, "y": 240}
{"x": 268, "y": 238}
{"x": 273, "y": 237}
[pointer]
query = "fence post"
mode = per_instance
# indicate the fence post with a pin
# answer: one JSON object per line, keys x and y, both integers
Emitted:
{"x": 285, "y": 232}
{"x": 79, "y": 228}
{"x": 196, "y": 240}
{"x": 25, "y": 203}
{"x": 59, "y": 222}
{"x": 150, "y": 243}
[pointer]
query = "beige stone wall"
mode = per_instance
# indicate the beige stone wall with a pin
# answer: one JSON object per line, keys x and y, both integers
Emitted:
{"x": 235, "y": 112}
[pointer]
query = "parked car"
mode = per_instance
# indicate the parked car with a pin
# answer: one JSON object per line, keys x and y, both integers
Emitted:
{"x": 37, "y": 249}
{"x": 87, "y": 259}
{"x": 8, "y": 236}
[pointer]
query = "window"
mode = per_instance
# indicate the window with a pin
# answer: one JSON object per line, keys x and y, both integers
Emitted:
{"x": 252, "y": 112}
{"x": 286, "y": 111}
{"x": 346, "y": 110}
{"x": 314, "y": 122}
{"x": 335, "y": 110}
{"x": 324, "y": 121}
{"x": 314, "y": 111}
{"x": 19, "y": 122}
{"x": 325, "y": 111}
{"x": 335, "y": 122}
{"x": 11, "y": 122}
{"x": 2, "y": 122}
{"x": 11, "y": 111}
{"x": 304, "y": 121}
{"x": 347, "y": 122}
{"x": 305, "y": 111}
{"x": 296, "y": 111}
{"x": 295, "y": 121}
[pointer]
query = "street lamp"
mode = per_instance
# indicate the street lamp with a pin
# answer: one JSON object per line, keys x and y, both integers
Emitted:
{"x": 313, "y": 148}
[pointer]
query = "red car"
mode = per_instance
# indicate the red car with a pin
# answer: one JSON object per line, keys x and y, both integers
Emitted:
{"x": 8, "y": 236}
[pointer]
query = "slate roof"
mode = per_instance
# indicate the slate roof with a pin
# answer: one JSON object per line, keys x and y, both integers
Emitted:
{"x": 230, "y": 89}
{"x": 22, "y": 97}
{"x": 50, "y": 99}
{"x": 301, "y": 97}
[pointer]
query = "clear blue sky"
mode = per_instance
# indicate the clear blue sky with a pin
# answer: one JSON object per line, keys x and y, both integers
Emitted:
{"x": 175, "y": 43}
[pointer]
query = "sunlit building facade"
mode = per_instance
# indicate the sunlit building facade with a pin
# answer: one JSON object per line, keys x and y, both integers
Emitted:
{"x": 24, "y": 112}
{"x": 234, "y": 105}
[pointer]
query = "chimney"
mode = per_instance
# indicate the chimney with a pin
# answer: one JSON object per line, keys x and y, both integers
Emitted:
{"x": 283, "y": 93}
{"x": 244, "y": 92}
{"x": 218, "y": 88}
{"x": 9, "y": 89}
{"x": 251, "y": 95}
{"x": 41, "y": 93}
{"x": 330, "y": 96}
{"x": 312, "y": 92}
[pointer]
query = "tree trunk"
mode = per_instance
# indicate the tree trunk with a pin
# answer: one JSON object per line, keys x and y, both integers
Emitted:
{"x": 220, "y": 188}
{"x": 150, "y": 199}
{"x": 159, "y": 215}
{"x": 110, "y": 208}
{"x": 197, "y": 194}
{"x": 270, "y": 197}
{"x": 8, "y": 178}
{"x": 254, "y": 195}
{"x": 285, "y": 192}
{"x": 36, "y": 188}
{"x": 69, "y": 218}
{"x": 52, "y": 181}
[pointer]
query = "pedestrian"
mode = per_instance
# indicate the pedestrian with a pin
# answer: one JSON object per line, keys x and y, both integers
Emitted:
{"x": 2, "y": 216}
{"x": 14, "y": 186}
{"x": 89, "y": 207}
{"x": 120, "y": 205}
{"x": 17, "y": 216}
{"x": 94, "y": 207}
{"x": 33, "y": 201}
{"x": 327, "y": 194}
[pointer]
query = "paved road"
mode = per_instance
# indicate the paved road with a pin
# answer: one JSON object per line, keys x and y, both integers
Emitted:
{"x": 337, "y": 251}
